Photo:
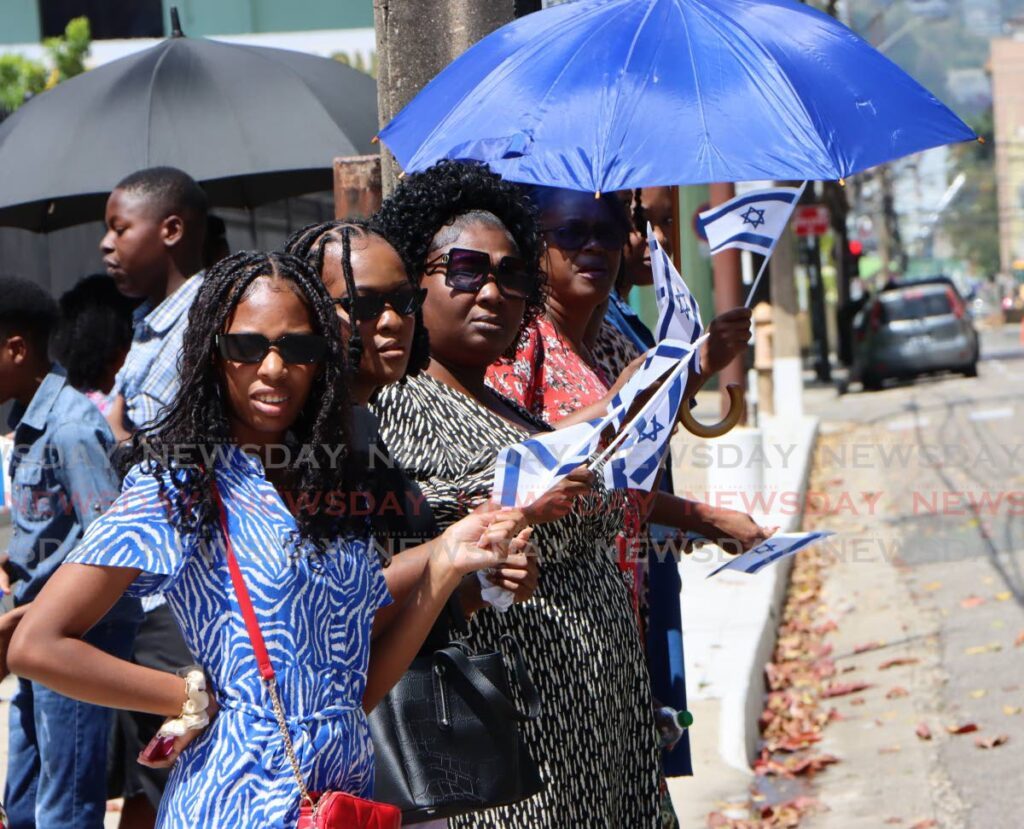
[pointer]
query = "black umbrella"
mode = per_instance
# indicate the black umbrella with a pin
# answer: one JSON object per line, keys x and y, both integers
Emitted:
{"x": 251, "y": 124}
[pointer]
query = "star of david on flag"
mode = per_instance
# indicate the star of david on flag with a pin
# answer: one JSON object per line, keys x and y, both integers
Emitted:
{"x": 678, "y": 312}
{"x": 526, "y": 470}
{"x": 644, "y": 440}
{"x": 777, "y": 547}
{"x": 751, "y": 221}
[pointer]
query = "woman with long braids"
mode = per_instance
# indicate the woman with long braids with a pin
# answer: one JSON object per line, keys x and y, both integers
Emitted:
{"x": 472, "y": 243}
{"x": 379, "y": 311}
{"x": 257, "y": 440}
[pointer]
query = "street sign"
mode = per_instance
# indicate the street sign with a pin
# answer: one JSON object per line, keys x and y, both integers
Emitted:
{"x": 811, "y": 220}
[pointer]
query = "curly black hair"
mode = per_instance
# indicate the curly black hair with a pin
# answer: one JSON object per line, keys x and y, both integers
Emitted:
{"x": 196, "y": 423}
{"x": 424, "y": 203}
{"x": 94, "y": 330}
{"x": 26, "y": 309}
{"x": 311, "y": 242}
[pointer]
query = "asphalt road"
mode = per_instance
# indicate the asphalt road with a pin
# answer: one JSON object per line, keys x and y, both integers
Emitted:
{"x": 932, "y": 567}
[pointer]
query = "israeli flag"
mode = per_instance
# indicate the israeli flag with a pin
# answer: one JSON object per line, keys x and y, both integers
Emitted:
{"x": 643, "y": 442}
{"x": 527, "y": 470}
{"x": 659, "y": 361}
{"x": 678, "y": 312}
{"x": 752, "y": 221}
{"x": 635, "y": 464}
{"x": 779, "y": 546}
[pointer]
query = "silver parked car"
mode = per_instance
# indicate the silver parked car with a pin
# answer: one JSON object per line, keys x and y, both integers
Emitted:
{"x": 913, "y": 328}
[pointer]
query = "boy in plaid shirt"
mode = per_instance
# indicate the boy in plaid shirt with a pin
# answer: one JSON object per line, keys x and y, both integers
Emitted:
{"x": 153, "y": 249}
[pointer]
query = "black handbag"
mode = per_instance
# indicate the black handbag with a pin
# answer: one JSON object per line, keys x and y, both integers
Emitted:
{"x": 447, "y": 737}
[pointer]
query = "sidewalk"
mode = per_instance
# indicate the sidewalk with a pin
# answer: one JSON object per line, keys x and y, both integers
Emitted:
{"x": 729, "y": 622}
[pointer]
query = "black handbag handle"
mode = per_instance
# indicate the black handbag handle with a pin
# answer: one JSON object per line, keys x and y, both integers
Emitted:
{"x": 458, "y": 660}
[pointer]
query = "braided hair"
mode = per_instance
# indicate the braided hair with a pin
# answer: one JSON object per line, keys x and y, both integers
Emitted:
{"x": 310, "y": 243}
{"x": 426, "y": 202}
{"x": 196, "y": 422}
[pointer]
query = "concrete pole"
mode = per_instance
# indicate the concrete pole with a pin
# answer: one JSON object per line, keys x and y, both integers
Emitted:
{"x": 787, "y": 367}
{"x": 726, "y": 274}
{"x": 416, "y": 39}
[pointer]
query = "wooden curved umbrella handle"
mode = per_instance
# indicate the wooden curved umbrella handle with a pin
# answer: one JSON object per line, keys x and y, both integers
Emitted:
{"x": 714, "y": 430}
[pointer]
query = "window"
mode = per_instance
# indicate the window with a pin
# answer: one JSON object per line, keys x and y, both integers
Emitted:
{"x": 108, "y": 19}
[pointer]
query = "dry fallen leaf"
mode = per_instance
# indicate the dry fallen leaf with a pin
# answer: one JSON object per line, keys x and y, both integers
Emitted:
{"x": 900, "y": 660}
{"x": 897, "y": 691}
{"x": 892, "y": 821}
{"x": 933, "y": 585}
{"x": 991, "y": 742}
{"x": 966, "y": 728}
{"x": 1005, "y": 596}
{"x": 1019, "y": 640}
{"x": 1011, "y": 710}
{"x": 991, "y": 647}
{"x": 971, "y": 602}
{"x": 858, "y": 701}
{"x": 978, "y": 694}
{"x": 927, "y": 823}
{"x": 869, "y": 646}
{"x": 923, "y": 731}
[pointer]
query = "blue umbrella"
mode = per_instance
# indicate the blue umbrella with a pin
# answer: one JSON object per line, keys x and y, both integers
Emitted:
{"x": 610, "y": 94}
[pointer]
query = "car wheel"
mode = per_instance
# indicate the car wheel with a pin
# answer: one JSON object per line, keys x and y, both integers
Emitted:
{"x": 971, "y": 370}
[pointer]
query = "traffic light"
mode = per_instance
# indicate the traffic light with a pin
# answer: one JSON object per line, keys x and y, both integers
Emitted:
{"x": 854, "y": 251}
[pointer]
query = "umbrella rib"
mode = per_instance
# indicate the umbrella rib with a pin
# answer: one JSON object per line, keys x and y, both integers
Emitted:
{"x": 696, "y": 82}
{"x": 785, "y": 78}
{"x": 152, "y": 85}
{"x": 313, "y": 94}
{"x": 602, "y": 147}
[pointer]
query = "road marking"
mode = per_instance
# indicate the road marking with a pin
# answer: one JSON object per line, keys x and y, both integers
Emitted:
{"x": 907, "y": 424}
{"x": 992, "y": 414}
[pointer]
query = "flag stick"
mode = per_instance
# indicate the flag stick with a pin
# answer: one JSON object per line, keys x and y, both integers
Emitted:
{"x": 764, "y": 262}
{"x": 624, "y": 429}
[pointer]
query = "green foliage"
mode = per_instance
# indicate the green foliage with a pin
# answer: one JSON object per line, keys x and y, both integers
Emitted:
{"x": 20, "y": 77}
{"x": 69, "y": 51}
{"x": 972, "y": 220}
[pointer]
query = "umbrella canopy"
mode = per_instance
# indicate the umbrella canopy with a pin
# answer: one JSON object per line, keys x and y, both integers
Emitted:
{"x": 611, "y": 94}
{"x": 252, "y": 124}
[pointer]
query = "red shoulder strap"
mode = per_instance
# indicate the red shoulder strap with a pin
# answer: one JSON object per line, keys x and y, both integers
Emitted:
{"x": 259, "y": 647}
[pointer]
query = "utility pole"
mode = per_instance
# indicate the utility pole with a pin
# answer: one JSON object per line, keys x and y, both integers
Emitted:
{"x": 787, "y": 365}
{"x": 416, "y": 39}
{"x": 728, "y": 284}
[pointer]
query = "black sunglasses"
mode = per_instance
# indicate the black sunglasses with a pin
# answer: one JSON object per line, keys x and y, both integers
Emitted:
{"x": 575, "y": 234}
{"x": 253, "y": 348}
{"x": 369, "y": 306}
{"x": 469, "y": 270}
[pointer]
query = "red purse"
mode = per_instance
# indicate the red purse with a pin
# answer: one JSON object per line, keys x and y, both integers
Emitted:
{"x": 319, "y": 810}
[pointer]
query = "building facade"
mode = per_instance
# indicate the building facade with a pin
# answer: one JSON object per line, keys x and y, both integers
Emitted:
{"x": 1007, "y": 67}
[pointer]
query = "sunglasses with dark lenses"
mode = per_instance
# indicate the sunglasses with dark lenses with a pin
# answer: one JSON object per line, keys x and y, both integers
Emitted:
{"x": 469, "y": 270}
{"x": 253, "y": 348}
{"x": 575, "y": 234}
{"x": 369, "y": 306}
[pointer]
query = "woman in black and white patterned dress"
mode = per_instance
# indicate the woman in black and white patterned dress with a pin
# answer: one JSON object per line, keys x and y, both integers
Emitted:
{"x": 595, "y": 740}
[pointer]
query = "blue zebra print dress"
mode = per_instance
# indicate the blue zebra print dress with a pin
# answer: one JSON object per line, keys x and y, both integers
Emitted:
{"x": 316, "y": 613}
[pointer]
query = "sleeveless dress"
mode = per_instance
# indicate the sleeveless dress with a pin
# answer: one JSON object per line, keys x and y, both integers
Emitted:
{"x": 315, "y": 610}
{"x": 594, "y": 740}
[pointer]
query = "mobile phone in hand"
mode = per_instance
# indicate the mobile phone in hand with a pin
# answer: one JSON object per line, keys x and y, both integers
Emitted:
{"x": 159, "y": 748}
